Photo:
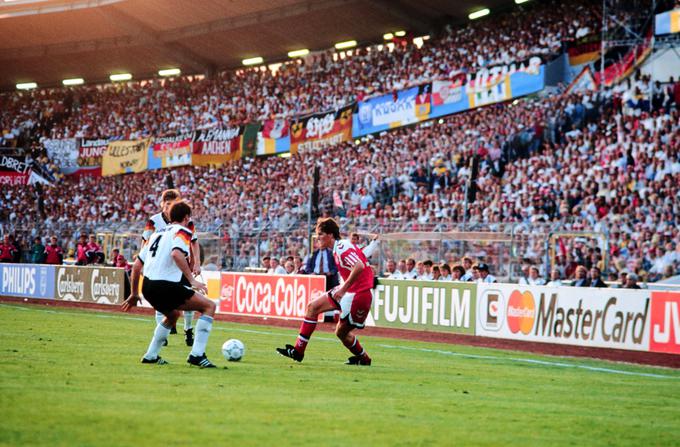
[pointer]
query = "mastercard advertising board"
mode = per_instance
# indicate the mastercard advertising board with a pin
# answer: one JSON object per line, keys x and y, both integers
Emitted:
{"x": 606, "y": 318}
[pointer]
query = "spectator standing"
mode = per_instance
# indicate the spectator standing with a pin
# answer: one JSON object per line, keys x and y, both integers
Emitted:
{"x": 7, "y": 249}
{"x": 631, "y": 282}
{"x": 37, "y": 251}
{"x": 445, "y": 270}
{"x": 457, "y": 272}
{"x": 411, "y": 271}
{"x": 596, "y": 278}
{"x": 81, "y": 250}
{"x": 533, "y": 278}
{"x": 321, "y": 262}
{"x": 555, "y": 278}
{"x": 467, "y": 265}
{"x": 93, "y": 251}
{"x": 581, "y": 277}
{"x": 390, "y": 268}
{"x": 53, "y": 252}
{"x": 484, "y": 275}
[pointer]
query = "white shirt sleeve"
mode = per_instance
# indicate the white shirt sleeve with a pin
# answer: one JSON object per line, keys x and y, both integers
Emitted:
{"x": 370, "y": 248}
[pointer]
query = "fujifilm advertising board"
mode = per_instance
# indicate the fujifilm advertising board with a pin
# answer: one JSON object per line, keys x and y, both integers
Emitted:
{"x": 424, "y": 305}
{"x": 605, "y": 318}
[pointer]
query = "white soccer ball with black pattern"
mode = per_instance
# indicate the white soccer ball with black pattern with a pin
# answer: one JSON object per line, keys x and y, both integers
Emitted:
{"x": 233, "y": 350}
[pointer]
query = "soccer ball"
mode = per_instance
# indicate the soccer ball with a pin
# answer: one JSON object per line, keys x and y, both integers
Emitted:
{"x": 233, "y": 350}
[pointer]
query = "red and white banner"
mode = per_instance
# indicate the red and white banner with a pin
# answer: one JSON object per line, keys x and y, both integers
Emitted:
{"x": 665, "y": 322}
{"x": 263, "y": 295}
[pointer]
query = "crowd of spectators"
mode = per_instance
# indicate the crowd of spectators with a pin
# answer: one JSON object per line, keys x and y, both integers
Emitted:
{"x": 600, "y": 162}
{"x": 323, "y": 81}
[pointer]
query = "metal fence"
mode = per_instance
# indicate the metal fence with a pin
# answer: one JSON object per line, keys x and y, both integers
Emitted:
{"x": 505, "y": 247}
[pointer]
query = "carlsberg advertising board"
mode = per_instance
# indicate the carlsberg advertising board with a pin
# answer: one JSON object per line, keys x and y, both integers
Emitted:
{"x": 424, "y": 305}
{"x": 582, "y": 316}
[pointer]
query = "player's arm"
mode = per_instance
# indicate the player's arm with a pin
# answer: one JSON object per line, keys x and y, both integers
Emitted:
{"x": 195, "y": 257}
{"x": 180, "y": 259}
{"x": 354, "y": 274}
{"x": 133, "y": 299}
{"x": 372, "y": 247}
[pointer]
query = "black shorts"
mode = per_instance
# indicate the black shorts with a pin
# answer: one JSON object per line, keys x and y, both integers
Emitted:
{"x": 166, "y": 296}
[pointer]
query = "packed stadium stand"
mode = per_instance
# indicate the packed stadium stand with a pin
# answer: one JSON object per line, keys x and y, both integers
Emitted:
{"x": 601, "y": 160}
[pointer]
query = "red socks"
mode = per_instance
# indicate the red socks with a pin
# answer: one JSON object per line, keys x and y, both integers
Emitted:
{"x": 306, "y": 330}
{"x": 355, "y": 347}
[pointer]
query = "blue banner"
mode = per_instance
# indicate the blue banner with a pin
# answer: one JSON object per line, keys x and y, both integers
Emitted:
{"x": 495, "y": 85}
{"x": 27, "y": 280}
{"x": 393, "y": 110}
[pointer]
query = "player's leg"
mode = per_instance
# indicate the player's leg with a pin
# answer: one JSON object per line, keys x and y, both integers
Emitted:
{"x": 354, "y": 309}
{"x": 160, "y": 337}
{"x": 204, "y": 324}
{"x": 321, "y": 304}
{"x": 189, "y": 327}
{"x": 344, "y": 331}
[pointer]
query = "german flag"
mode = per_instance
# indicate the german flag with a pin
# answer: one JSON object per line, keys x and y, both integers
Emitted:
{"x": 184, "y": 236}
{"x": 150, "y": 226}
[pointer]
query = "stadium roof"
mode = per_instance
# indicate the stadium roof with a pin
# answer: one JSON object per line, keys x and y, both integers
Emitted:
{"x": 45, "y": 41}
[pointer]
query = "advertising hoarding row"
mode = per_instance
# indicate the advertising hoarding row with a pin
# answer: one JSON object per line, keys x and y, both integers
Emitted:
{"x": 637, "y": 320}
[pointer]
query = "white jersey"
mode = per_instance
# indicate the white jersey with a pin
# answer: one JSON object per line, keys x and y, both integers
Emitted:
{"x": 157, "y": 254}
{"x": 158, "y": 222}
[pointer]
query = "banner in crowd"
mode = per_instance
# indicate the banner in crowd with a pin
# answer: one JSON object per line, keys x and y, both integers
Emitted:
{"x": 321, "y": 130}
{"x": 263, "y": 295}
{"x": 488, "y": 86}
{"x": 102, "y": 285}
{"x": 216, "y": 146}
{"x": 90, "y": 154}
{"x": 76, "y": 156}
{"x": 585, "y": 49}
{"x": 606, "y": 318}
{"x": 668, "y": 22}
{"x": 274, "y": 138}
{"x": 392, "y": 110}
{"x": 14, "y": 170}
{"x": 125, "y": 157}
{"x": 622, "y": 68}
{"x": 170, "y": 152}
{"x": 27, "y": 280}
{"x": 584, "y": 82}
{"x": 64, "y": 153}
{"x": 425, "y": 305}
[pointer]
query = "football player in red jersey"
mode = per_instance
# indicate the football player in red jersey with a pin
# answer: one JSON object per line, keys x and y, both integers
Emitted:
{"x": 352, "y": 298}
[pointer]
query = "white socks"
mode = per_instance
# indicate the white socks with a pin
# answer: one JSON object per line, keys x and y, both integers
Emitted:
{"x": 201, "y": 334}
{"x": 159, "y": 336}
{"x": 188, "y": 319}
{"x": 159, "y": 317}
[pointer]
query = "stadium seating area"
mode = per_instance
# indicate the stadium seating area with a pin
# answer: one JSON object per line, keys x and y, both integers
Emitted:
{"x": 158, "y": 107}
{"x": 606, "y": 161}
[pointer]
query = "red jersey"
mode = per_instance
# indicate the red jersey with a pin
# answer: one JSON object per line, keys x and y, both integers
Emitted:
{"x": 346, "y": 256}
{"x": 81, "y": 255}
{"x": 54, "y": 254}
{"x": 7, "y": 252}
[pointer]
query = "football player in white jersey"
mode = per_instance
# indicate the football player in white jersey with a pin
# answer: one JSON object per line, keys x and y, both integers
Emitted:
{"x": 158, "y": 222}
{"x": 169, "y": 286}
{"x": 352, "y": 298}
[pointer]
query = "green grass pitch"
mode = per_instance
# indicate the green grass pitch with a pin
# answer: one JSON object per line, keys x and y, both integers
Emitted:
{"x": 73, "y": 378}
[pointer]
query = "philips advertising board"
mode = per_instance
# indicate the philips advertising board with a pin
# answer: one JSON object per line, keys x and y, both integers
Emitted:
{"x": 27, "y": 280}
